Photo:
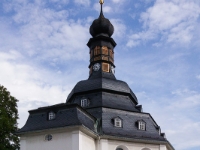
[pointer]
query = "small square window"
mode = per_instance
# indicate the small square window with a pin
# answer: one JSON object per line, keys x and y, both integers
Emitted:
{"x": 118, "y": 122}
{"x": 141, "y": 125}
{"x": 84, "y": 102}
{"x": 52, "y": 115}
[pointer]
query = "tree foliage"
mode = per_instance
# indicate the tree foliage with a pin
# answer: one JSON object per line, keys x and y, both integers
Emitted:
{"x": 8, "y": 121}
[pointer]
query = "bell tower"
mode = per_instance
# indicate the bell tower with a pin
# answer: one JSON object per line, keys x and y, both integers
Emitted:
{"x": 101, "y": 48}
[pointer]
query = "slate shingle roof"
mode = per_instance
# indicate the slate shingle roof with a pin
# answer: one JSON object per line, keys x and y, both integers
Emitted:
{"x": 129, "y": 125}
{"x": 66, "y": 115}
{"x": 103, "y": 84}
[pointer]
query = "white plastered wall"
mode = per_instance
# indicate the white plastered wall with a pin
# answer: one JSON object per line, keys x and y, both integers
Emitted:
{"x": 77, "y": 140}
{"x": 113, "y": 144}
{"x": 65, "y": 140}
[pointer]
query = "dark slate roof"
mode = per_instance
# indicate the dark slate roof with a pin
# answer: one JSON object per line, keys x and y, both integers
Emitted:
{"x": 101, "y": 74}
{"x": 66, "y": 115}
{"x": 103, "y": 84}
{"x": 74, "y": 115}
{"x": 129, "y": 128}
{"x": 106, "y": 99}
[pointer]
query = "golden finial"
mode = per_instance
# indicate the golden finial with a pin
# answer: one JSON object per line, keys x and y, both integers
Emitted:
{"x": 101, "y": 2}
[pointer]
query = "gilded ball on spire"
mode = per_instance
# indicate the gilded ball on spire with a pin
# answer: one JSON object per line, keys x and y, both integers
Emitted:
{"x": 101, "y": 2}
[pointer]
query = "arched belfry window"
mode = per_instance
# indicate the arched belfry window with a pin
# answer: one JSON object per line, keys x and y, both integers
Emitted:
{"x": 119, "y": 149}
{"x": 51, "y": 115}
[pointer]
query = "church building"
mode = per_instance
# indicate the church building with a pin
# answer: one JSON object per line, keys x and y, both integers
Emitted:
{"x": 100, "y": 113}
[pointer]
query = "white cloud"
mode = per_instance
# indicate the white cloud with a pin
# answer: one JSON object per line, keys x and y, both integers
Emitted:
{"x": 106, "y": 9}
{"x": 119, "y": 28}
{"x": 42, "y": 31}
{"x": 139, "y": 38}
{"x": 177, "y": 116}
{"x": 32, "y": 83}
{"x": 119, "y": 1}
{"x": 60, "y": 1}
{"x": 31, "y": 51}
{"x": 83, "y": 2}
{"x": 173, "y": 20}
{"x": 116, "y": 1}
{"x": 198, "y": 77}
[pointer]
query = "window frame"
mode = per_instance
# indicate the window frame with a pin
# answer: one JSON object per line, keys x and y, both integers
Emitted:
{"x": 51, "y": 115}
{"x": 118, "y": 122}
{"x": 142, "y": 125}
{"x": 85, "y": 102}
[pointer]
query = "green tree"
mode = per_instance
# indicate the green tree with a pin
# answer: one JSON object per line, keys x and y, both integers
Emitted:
{"x": 8, "y": 121}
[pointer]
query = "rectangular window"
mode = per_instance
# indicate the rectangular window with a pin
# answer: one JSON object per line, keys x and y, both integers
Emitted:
{"x": 52, "y": 115}
{"x": 104, "y": 50}
{"x": 111, "y": 54}
{"x": 97, "y": 50}
{"x": 118, "y": 122}
{"x": 84, "y": 102}
{"x": 105, "y": 67}
{"x": 141, "y": 125}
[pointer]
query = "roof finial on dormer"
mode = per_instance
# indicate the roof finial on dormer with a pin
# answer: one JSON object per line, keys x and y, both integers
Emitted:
{"x": 101, "y": 2}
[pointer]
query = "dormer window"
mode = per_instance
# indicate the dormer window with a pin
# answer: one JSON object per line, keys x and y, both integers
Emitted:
{"x": 85, "y": 102}
{"x": 118, "y": 122}
{"x": 141, "y": 125}
{"x": 52, "y": 115}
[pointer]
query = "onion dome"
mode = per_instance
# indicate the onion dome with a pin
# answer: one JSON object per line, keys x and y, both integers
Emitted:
{"x": 101, "y": 26}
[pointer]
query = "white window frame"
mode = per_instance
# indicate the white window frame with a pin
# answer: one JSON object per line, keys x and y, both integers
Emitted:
{"x": 51, "y": 115}
{"x": 141, "y": 125}
{"x": 118, "y": 122}
{"x": 84, "y": 102}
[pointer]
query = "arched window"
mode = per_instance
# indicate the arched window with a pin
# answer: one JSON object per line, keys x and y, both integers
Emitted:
{"x": 121, "y": 147}
{"x": 51, "y": 115}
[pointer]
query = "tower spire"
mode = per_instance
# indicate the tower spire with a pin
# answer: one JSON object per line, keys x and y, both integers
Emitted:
{"x": 101, "y": 2}
{"x": 101, "y": 48}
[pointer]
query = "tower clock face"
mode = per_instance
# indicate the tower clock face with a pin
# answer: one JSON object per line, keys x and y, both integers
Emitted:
{"x": 96, "y": 67}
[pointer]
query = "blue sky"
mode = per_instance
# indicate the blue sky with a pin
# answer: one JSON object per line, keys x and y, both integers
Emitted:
{"x": 43, "y": 54}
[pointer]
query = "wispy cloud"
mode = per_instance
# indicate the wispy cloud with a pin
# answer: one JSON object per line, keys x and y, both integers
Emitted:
{"x": 83, "y": 2}
{"x": 198, "y": 77}
{"x": 35, "y": 41}
{"x": 172, "y": 21}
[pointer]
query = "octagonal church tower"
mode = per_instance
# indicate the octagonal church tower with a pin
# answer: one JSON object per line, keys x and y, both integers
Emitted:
{"x": 100, "y": 113}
